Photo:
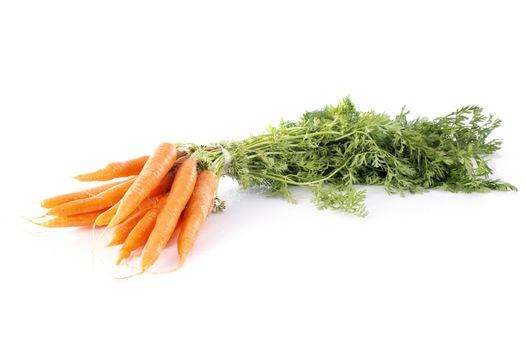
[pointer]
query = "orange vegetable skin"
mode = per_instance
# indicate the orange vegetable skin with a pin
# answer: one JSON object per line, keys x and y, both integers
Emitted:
{"x": 86, "y": 219}
{"x": 139, "y": 235}
{"x": 168, "y": 217}
{"x": 197, "y": 209}
{"x": 68, "y": 197}
{"x": 150, "y": 177}
{"x": 122, "y": 230}
{"x": 115, "y": 169}
{"x": 102, "y": 200}
{"x": 156, "y": 194}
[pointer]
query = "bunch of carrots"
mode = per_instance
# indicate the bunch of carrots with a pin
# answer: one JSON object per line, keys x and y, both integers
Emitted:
{"x": 327, "y": 151}
{"x": 161, "y": 195}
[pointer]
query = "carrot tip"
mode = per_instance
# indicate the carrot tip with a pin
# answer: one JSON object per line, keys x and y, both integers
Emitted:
{"x": 112, "y": 243}
{"x": 145, "y": 265}
{"x": 123, "y": 255}
{"x": 181, "y": 261}
{"x": 34, "y": 220}
{"x": 80, "y": 178}
{"x": 130, "y": 276}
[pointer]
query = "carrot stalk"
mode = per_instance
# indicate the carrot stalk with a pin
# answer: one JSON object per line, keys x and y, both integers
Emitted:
{"x": 197, "y": 209}
{"x": 168, "y": 217}
{"x": 157, "y": 166}
{"x": 100, "y": 201}
{"x": 114, "y": 170}
{"x": 68, "y": 197}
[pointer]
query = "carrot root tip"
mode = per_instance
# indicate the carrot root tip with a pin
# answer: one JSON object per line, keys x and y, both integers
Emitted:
{"x": 130, "y": 276}
{"x": 33, "y": 220}
{"x": 181, "y": 261}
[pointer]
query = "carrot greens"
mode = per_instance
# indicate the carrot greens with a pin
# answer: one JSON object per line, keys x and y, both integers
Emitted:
{"x": 335, "y": 148}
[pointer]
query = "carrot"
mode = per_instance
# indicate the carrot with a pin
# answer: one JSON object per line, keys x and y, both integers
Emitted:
{"x": 114, "y": 170}
{"x": 211, "y": 206}
{"x": 100, "y": 201}
{"x": 122, "y": 230}
{"x": 152, "y": 199}
{"x": 180, "y": 193}
{"x": 68, "y": 197}
{"x": 165, "y": 185}
{"x": 139, "y": 235}
{"x": 156, "y": 194}
{"x": 150, "y": 177}
{"x": 148, "y": 203}
{"x": 197, "y": 209}
{"x": 105, "y": 217}
{"x": 86, "y": 219}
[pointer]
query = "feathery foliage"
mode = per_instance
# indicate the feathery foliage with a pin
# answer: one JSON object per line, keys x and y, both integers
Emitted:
{"x": 335, "y": 148}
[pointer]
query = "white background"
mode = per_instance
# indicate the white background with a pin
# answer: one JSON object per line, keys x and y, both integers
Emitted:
{"x": 86, "y": 83}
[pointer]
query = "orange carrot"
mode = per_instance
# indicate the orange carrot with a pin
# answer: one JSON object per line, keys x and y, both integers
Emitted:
{"x": 86, "y": 219}
{"x": 107, "y": 215}
{"x": 211, "y": 206}
{"x": 164, "y": 186}
{"x": 139, "y": 235}
{"x": 150, "y": 177}
{"x": 181, "y": 190}
{"x": 68, "y": 197}
{"x": 196, "y": 211}
{"x": 100, "y": 201}
{"x": 148, "y": 203}
{"x": 122, "y": 230}
{"x": 114, "y": 170}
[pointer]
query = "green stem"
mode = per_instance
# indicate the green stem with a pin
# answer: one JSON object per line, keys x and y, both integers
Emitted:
{"x": 290, "y": 138}
{"x": 285, "y": 179}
